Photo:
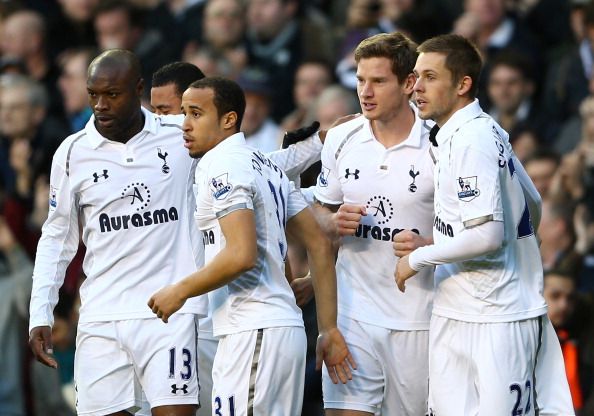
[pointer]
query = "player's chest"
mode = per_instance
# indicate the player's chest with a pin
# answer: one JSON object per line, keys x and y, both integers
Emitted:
{"x": 134, "y": 180}
{"x": 392, "y": 178}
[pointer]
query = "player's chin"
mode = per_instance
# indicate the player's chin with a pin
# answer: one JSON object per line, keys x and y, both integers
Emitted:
{"x": 195, "y": 154}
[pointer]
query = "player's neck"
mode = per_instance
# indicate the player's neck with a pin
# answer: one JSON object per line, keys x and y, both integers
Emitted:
{"x": 394, "y": 130}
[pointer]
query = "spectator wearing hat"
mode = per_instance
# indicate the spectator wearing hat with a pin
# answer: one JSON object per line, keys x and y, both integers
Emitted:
{"x": 260, "y": 130}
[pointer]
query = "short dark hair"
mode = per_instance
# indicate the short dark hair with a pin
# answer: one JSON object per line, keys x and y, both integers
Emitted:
{"x": 228, "y": 96}
{"x": 462, "y": 57}
{"x": 136, "y": 16}
{"x": 399, "y": 49}
{"x": 515, "y": 60}
{"x": 182, "y": 74}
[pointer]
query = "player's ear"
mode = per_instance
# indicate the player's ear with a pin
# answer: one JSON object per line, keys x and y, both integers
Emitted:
{"x": 464, "y": 85}
{"x": 229, "y": 120}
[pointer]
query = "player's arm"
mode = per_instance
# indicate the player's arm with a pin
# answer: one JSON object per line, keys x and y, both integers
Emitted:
{"x": 470, "y": 243}
{"x": 482, "y": 215}
{"x": 339, "y": 220}
{"x": 331, "y": 347}
{"x": 56, "y": 247}
{"x": 302, "y": 147}
{"x": 239, "y": 255}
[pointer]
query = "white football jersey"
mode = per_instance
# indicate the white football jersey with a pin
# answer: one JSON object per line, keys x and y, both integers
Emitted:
{"x": 293, "y": 160}
{"x": 396, "y": 187}
{"x": 134, "y": 202}
{"x": 235, "y": 176}
{"x": 475, "y": 183}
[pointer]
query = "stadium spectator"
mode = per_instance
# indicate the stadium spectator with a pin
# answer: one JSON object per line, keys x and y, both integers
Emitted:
{"x": 24, "y": 36}
{"x": 119, "y": 24}
{"x": 279, "y": 36}
{"x": 311, "y": 78}
{"x": 70, "y": 26}
{"x": 73, "y": 85}
{"x": 259, "y": 128}
{"x": 15, "y": 289}
{"x": 541, "y": 168}
{"x": 572, "y": 315}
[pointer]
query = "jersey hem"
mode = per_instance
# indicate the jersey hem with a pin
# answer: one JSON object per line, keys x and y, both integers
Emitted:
{"x": 484, "y": 318}
{"x": 393, "y": 325}
{"x": 230, "y": 329}
{"x": 124, "y": 316}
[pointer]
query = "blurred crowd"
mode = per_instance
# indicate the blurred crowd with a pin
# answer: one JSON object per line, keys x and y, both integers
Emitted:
{"x": 294, "y": 59}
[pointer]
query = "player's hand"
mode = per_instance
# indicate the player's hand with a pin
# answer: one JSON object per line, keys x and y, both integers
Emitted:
{"x": 40, "y": 341}
{"x": 347, "y": 218}
{"x": 166, "y": 302}
{"x": 331, "y": 348}
{"x": 302, "y": 289}
{"x": 403, "y": 272}
{"x": 406, "y": 241}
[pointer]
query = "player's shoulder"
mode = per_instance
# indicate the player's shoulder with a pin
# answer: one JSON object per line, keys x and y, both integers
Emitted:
{"x": 478, "y": 131}
{"x": 78, "y": 139}
{"x": 169, "y": 121}
{"x": 344, "y": 132}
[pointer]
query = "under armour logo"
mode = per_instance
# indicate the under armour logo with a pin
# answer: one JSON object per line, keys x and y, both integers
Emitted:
{"x": 348, "y": 173}
{"x": 165, "y": 167}
{"x": 412, "y": 187}
{"x": 175, "y": 389}
{"x": 97, "y": 176}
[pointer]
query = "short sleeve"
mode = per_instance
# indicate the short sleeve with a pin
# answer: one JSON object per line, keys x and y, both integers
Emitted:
{"x": 297, "y": 202}
{"x": 477, "y": 183}
{"x": 230, "y": 185}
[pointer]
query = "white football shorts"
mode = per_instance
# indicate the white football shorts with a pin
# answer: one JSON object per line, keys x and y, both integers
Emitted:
{"x": 260, "y": 372}
{"x": 494, "y": 369}
{"x": 392, "y": 371}
{"x": 116, "y": 361}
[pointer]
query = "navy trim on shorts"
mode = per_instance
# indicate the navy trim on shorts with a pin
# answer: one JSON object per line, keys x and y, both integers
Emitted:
{"x": 255, "y": 360}
{"x": 534, "y": 402}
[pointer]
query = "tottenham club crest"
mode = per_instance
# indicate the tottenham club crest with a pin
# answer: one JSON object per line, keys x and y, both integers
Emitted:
{"x": 467, "y": 188}
{"x": 412, "y": 187}
{"x": 163, "y": 157}
{"x": 220, "y": 186}
{"x": 323, "y": 178}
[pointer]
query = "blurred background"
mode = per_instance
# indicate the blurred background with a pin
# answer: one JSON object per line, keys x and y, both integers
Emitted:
{"x": 294, "y": 60}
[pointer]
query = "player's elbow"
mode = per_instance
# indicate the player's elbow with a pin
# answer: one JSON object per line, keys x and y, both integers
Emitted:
{"x": 245, "y": 259}
{"x": 492, "y": 236}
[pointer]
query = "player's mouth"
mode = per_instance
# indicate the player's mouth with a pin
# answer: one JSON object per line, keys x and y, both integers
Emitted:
{"x": 187, "y": 141}
{"x": 368, "y": 106}
{"x": 104, "y": 121}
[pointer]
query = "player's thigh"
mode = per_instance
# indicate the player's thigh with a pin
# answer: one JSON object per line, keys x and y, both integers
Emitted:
{"x": 452, "y": 379}
{"x": 364, "y": 393}
{"x": 207, "y": 349}
{"x": 405, "y": 357}
{"x": 103, "y": 371}
{"x": 260, "y": 372}
{"x": 505, "y": 359}
{"x": 165, "y": 358}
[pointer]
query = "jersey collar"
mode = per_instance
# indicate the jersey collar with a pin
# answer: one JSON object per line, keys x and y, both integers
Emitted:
{"x": 221, "y": 148}
{"x": 460, "y": 117}
{"x": 415, "y": 137}
{"x": 96, "y": 139}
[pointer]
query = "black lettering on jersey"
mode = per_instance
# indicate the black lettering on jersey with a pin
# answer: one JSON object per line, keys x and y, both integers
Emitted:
{"x": 175, "y": 389}
{"x": 443, "y": 227}
{"x": 116, "y": 223}
{"x": 379, "y": 233}
{"x": 259, "y": 160}
{"x": 208, "y": 237}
